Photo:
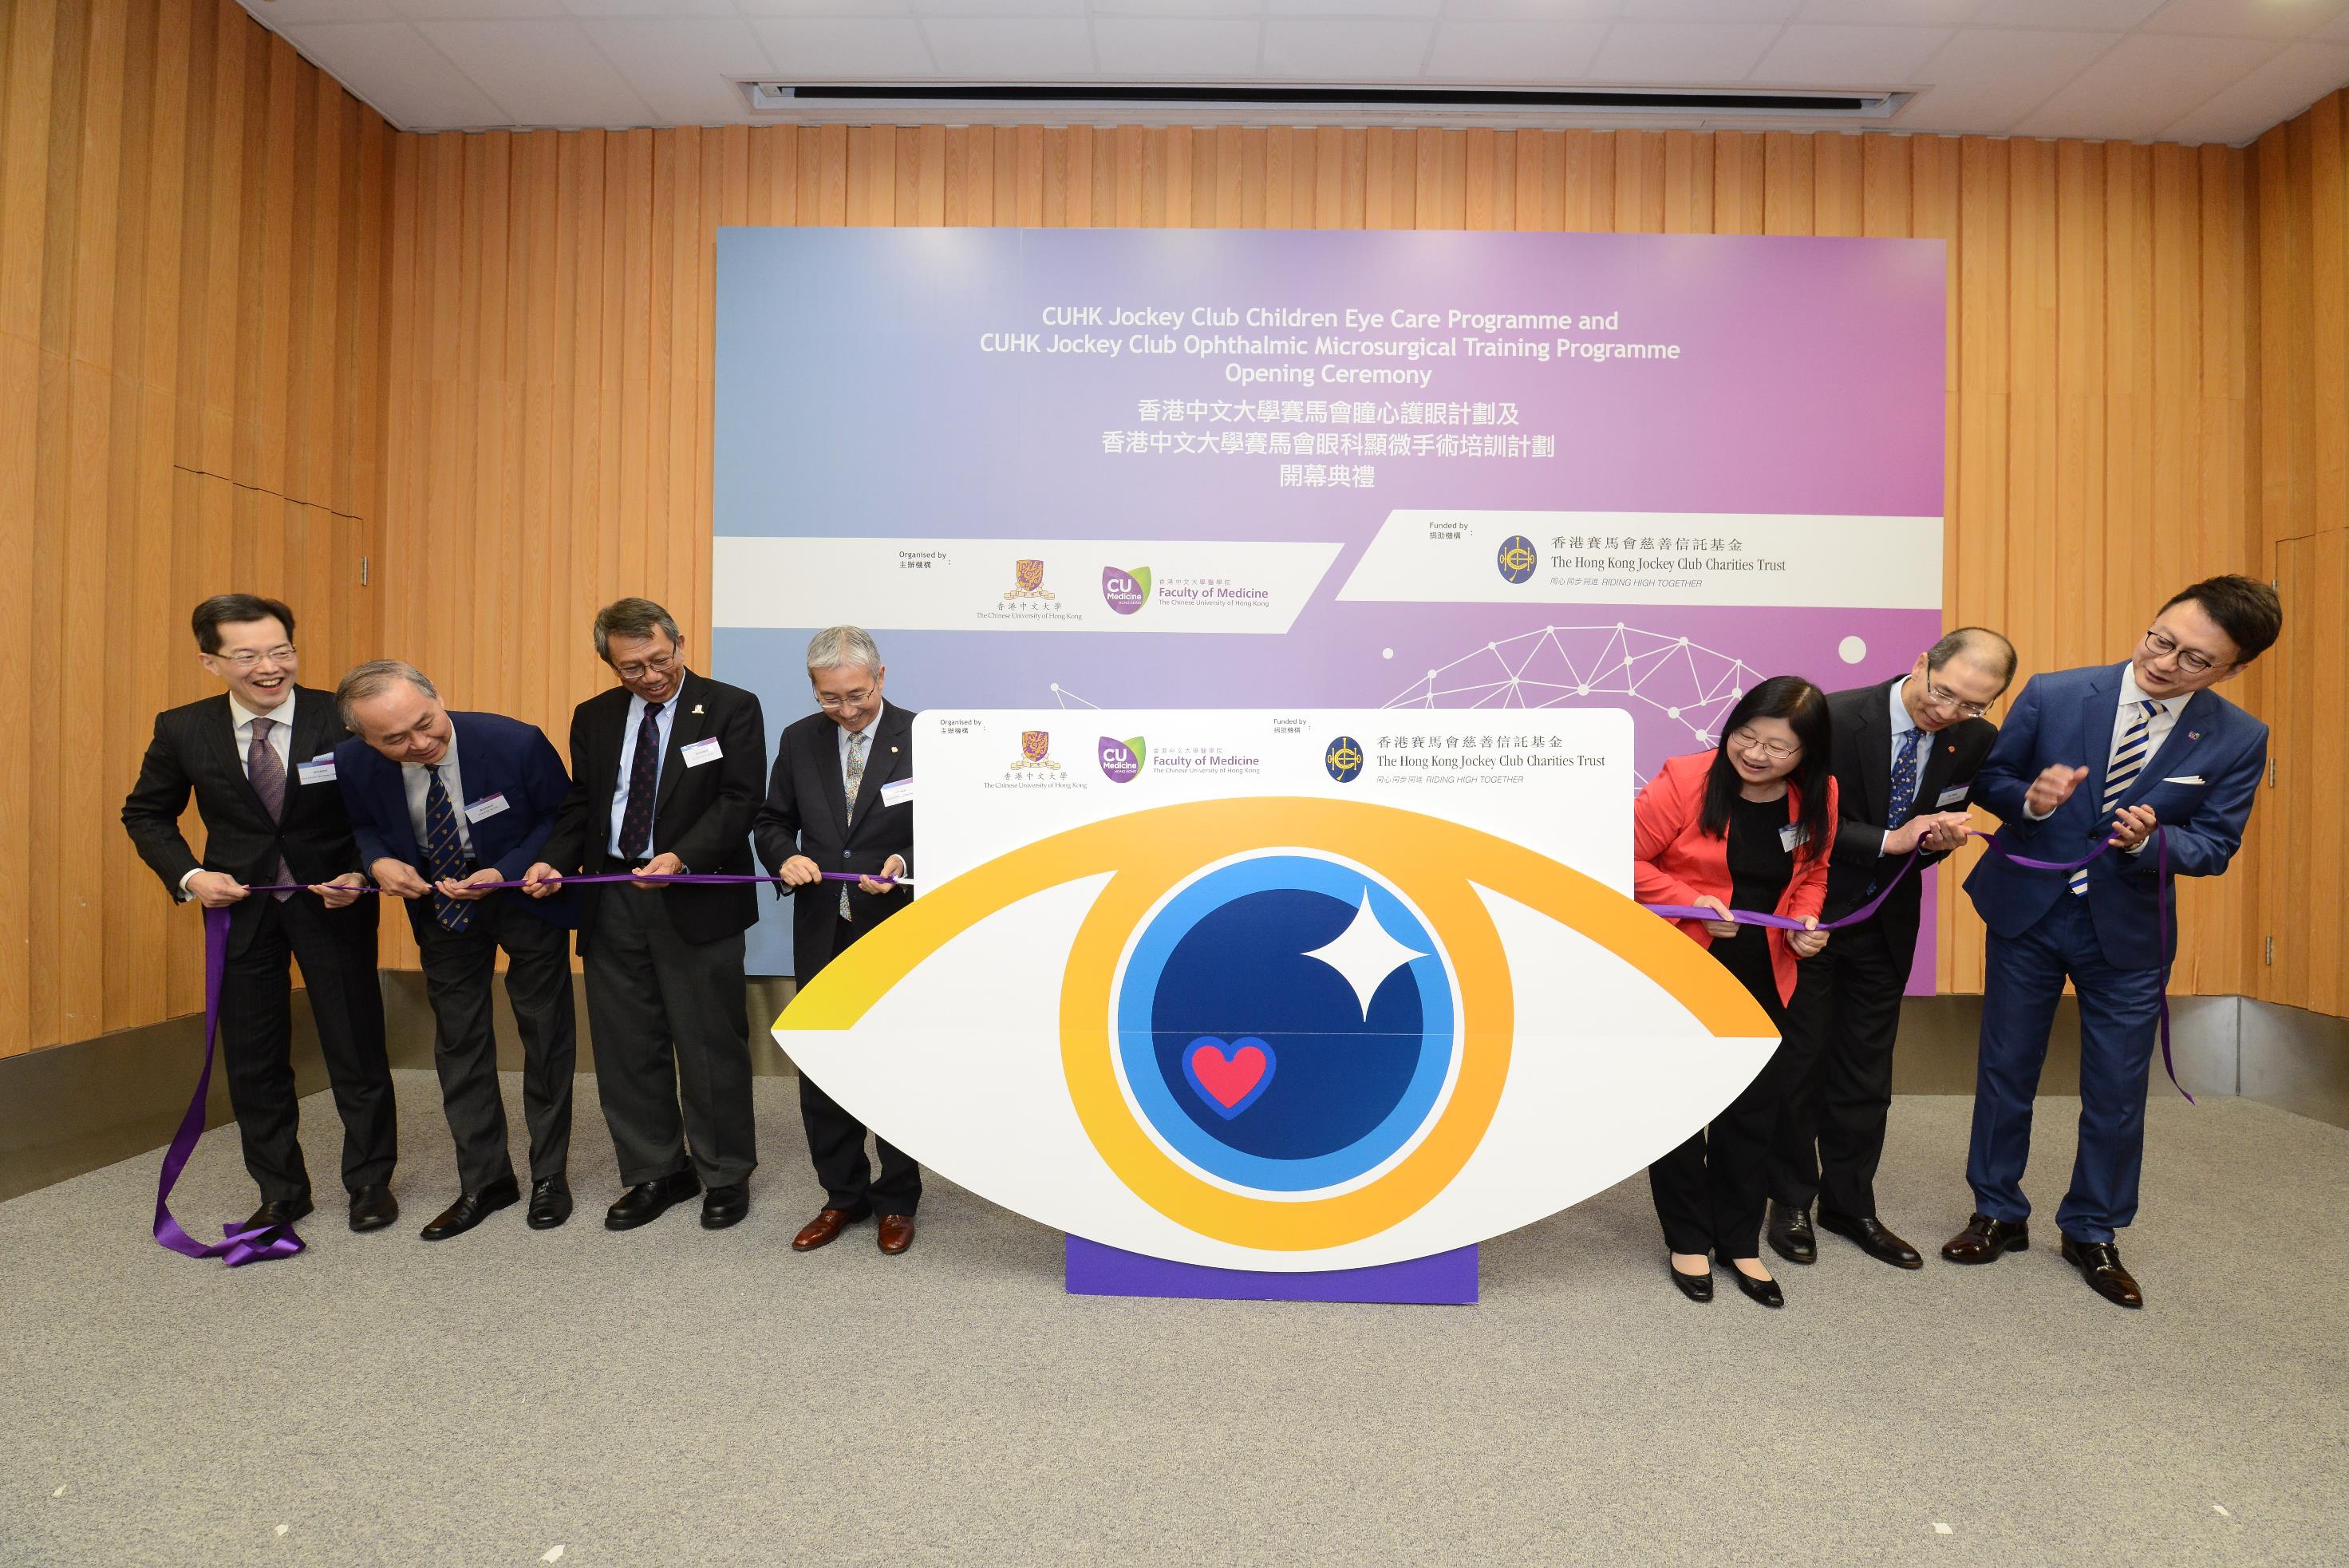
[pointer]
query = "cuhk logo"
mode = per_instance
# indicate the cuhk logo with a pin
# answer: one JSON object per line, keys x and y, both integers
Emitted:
{"x": 1516, "y": 558}
{"x": 1122, "y": 760}
{"x": 1030, "y": 577}
{"x": 1125, "y": 591}
{"x": 1344, "y": 759}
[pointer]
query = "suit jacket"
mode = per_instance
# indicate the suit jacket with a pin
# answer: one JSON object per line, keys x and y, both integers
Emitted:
{"x": 1673, "y": 861}
{"x": 2201, "y": 785}
{"x": 1862, "y": 721}
{"x": 495, "y": 756}
{"x": 700, "y": 814}
{"x": 807, "y": 813}
{"x": 194, "y": 751}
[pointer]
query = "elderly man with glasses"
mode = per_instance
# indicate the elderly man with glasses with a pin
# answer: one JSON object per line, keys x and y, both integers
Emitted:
{"x": 2108, "y": 755}
{"x": 1906, "y": 753}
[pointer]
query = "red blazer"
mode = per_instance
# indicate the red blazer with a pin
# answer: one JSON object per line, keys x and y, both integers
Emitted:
{"x": 1675, "y": 862}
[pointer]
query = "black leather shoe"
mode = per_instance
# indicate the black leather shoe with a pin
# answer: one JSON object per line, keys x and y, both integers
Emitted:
{"x": 1985, "y": 1241}
{"x": 2100, "y": 1263}
{"x": 279, "y": 1211}
{"x": 550, "y": 1203}
{"x": 472, "y": 1208}
{"x": 1790, "y": 1236}
{"x": 1868, "y": 1234}
{"x": 1767, "y": 1291}
{"x": 1696, "y": 1287}
{"x": 373, "y": 1208}
{"x": 722, "y": 1206}
{"x": 648, "y": 1201}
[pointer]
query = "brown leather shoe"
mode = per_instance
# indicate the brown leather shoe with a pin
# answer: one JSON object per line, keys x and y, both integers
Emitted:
{"x": 897, "y": 1233}
{"x": 1985, "y": 1240}
{"x": 818, "y": 1232}
{"x": 2100, "y": 1263}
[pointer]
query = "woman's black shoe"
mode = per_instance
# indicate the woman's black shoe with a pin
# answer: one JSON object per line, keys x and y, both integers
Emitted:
{"x": 1696, "y": 1287}
{"x": 1767, "y": 1291}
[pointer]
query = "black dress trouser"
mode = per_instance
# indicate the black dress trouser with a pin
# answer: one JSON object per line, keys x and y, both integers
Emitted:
{"x": 458, "y": 966}
{"x": 1832, "y": 1137}
{"x": 837, "y": 1139}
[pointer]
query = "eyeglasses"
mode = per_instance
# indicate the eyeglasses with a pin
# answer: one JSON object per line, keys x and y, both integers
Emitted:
{"x": 832, "y": 704}
{"x": 658, "y": 666}
{"x": 245, "y": 658}
{"x": 2189, "y": 660}
{"x": 1936, "y": 697}
{"x": 1776, "y": 751}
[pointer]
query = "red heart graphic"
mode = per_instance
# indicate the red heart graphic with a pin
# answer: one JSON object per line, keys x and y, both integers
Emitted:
{"x": 1228, "y": 1079}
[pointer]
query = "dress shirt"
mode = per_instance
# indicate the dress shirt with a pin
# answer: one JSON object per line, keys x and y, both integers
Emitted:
{"x": 872, "y": 728}
{"x": 281, "y": 740}
{"x": 664, "y": 722}
{"x": 417, "y": 780}
{"x": 1903, "y": 728}
{"x": 2157, "y": 731}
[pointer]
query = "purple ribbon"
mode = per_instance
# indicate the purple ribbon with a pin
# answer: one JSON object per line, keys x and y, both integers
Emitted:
{"x": 2161, "y": 905}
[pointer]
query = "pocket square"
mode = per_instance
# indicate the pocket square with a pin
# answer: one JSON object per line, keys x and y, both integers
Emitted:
{"x": 2189, "y": 779}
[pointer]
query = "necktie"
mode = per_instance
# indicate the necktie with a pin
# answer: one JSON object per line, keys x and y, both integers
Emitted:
{"x": 644, "y": 773}
{"x": 268, "y": 777}
{"x": 855, "y": 781}
{"x": 444, "y": 853}
{"x": 2128, "y": 761}
{"x": 1904, "y": 778}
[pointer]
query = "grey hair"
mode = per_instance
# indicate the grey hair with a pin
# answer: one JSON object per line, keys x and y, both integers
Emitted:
{"x": 835, "y": 646}
{"x": 1980, "y": 647}
{"x": 373, "y": 679}
{"x": 629, "y": 617}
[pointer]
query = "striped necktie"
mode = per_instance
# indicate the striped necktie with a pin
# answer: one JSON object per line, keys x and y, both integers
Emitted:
{"x": 444, "y": 852}
{"x": 854, "y": 781}
{"x": 2128, "y": 761}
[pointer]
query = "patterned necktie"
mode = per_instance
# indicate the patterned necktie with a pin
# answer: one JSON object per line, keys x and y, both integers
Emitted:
{"x": 2128, "y": 761}
{"x": 643, "y": 774}
{"x": 268, "y": 777}
{"x": 855, "y": 781}
{"x": 444, "y": 853}
{"x": 1904, "y": 778}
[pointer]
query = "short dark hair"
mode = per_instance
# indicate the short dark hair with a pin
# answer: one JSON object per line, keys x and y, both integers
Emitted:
{"x": 1979, "y": 645}
{"x": 2246, "y": 610}
{"x": 222, "y": 609}
{"x": 1804, "y": 708}
{"x": 629, "y": 617}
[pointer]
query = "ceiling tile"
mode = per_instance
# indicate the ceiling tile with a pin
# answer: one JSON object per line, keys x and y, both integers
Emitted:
{"x": 1194, "y": 9}
{"x": 278, "y": 15}
{"x": 1011, "y": 49}
{"x": 1682, "y": 54}
{"x": 1533, "y": 10}
{"x": 1310, "y": 49}
{"x": 1984, "y": 79}
{"x": 1893, "y": 13}
{"x": 391, "y": 65}
{"x": 1171, "y": 47}
{"x": 820, "y": 49}
{"x": 2270, "y": 95}
{"x": 2082, "y": 15}
{"x": 476, "y": 10}
{"x": 2244, "y": 18}
{"x": 652, "y": 10}
{"x": 844, "y": 9}
{"x": 540, "y": 73}
{"x": 683, "y": 67}
{"x": 1709, "y": 10}
{"x": 1000, "y": 8}
{"x": 1827, "y": 56}
{"x": 2146, "y": 82}
{"x": 1550, "y": 52}
{"x": 1352, "y": 8}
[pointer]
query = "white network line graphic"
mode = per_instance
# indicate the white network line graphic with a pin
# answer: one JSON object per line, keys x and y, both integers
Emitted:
{"x": 1685, "y": 681}
{"x": 1065, "y": 696}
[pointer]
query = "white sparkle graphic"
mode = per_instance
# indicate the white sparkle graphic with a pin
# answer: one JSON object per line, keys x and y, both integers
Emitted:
{"x": 1365, "y": 955}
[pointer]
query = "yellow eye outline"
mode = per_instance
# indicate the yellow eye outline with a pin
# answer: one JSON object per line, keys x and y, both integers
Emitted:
{"x": 1438, "y": 865}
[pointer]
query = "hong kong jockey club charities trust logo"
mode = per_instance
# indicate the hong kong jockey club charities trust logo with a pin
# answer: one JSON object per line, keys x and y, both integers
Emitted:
{"x": 1516, "y": 558}
{"x": 1122, "y": 760}
{"x": 1344, "y": 758}
{"x": 1126, "y": 591}
{"x": 1029, "y": 575}
{"x": 1035, "y": 750}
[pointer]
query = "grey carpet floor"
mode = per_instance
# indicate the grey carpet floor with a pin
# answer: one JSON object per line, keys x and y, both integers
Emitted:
{"x": 674, "y": 1397}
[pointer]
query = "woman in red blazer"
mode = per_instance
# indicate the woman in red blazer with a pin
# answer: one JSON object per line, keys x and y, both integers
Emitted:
{"x": 1746, "y": 825}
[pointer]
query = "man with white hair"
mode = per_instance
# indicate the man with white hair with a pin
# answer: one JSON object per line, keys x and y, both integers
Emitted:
{"x": 841, "y": 799}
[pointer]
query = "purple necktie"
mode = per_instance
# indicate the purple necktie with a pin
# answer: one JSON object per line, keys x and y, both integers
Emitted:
{"x": 268, "y": 778}
{"x": 644, "y": 776}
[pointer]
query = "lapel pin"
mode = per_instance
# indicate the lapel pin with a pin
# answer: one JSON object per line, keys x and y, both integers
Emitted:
{"x": 2193, "y": 734}
{"x": 697, "y": 710}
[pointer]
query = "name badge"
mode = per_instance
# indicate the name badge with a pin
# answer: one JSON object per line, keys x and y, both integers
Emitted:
{"x": 700, "y": 752}
{"x": 896, "y": 792}
{"x": 317, "y": 770}
{"x": 488, "y": 805}
{"x": 1792, "y": 835}
{"x": 1951, "y": 796}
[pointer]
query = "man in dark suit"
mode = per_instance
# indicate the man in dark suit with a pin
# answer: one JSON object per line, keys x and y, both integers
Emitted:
{"x": 2155, "y": 748}
{"x": 665, "y": 774}
{"x": 256, "y": 759}
{"x": 443, "y": 804}
{"x": 1906, "y": 752}
{"x": 841, "y": 800}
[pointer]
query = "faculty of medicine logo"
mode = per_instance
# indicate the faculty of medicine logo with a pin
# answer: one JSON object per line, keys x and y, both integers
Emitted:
{"x": 1035, "y": 748}
{"x": 1344, "y": 759}
{"x": 1516, "y": 558}
{"x": 1122, "y": 760}
{"x": 1030, "y": 574}
{"x": 1125, "y": 591}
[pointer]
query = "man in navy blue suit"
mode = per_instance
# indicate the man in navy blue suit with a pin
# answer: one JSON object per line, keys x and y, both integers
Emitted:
{"x": 2110, "y": 754}
{"x": 442, "y": 804}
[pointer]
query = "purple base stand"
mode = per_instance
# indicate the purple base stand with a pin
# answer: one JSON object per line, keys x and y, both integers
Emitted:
{"x": 1447, "y": 1279}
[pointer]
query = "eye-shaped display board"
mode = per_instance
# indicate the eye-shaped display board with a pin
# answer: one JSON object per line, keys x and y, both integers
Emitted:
{"x": 1277, "y": 991}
